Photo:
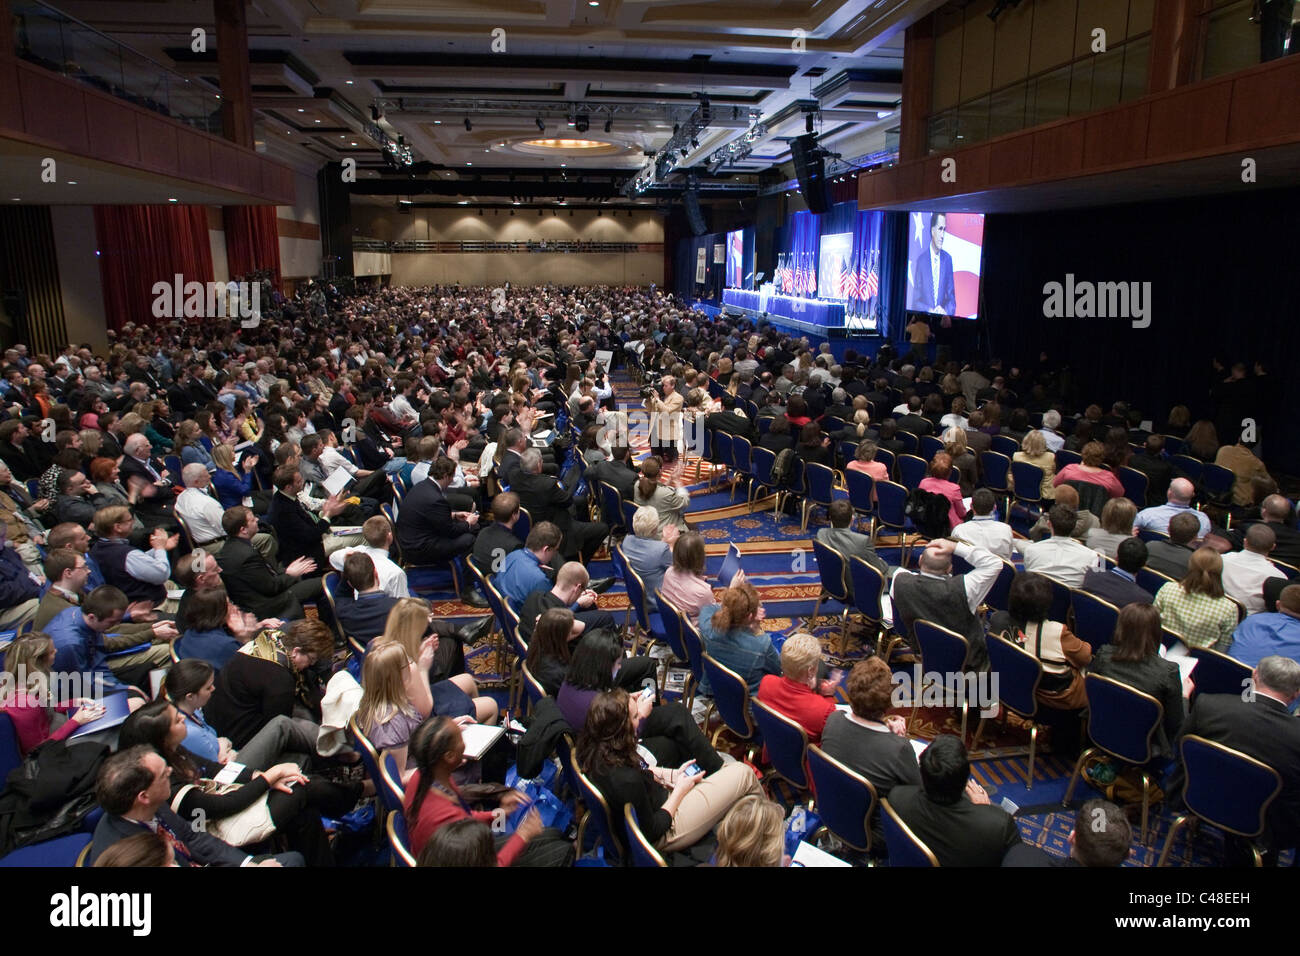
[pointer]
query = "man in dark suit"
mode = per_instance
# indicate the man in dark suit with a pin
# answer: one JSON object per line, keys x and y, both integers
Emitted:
{"x": 933, "y": 289}
{"x": 252, "y": 583}
{"x": 548, "y": 500}
{"x": 1101, "y": 837}
{"x": 148, "y": 477}
{"x": 498, "y": 539}
{"x": 1158, "y": 471}
{"x": 1119, "y": 585}
{"x": 298, "y": 531}
{"x": 851, "y": 544}
{"x": 429, "y": 532}
{"x": 1276, "y": 512}
{"x": 913, "y": 421}
{"x": 1261, "y": 727}
{"x": 618, "y": 471}
{"x": 134, "y": 787}
{"x": 20, "y": 451}
{"x": 950, "y": 813}
{"x": 1171, "y": 557}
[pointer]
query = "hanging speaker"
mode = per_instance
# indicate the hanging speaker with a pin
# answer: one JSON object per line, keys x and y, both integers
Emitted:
{"x": 810, "y": 170}
{"x": 694, "y": 214}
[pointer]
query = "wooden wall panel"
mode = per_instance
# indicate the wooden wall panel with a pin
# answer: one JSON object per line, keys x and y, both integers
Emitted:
{"x": 11, "y": 104}
{"x": 1058, "y": 150}
{"x": 113, "y": 134}
{"x": 193, "y": 155}
{"x": 158, "y": 149}
{"x": 1115, "y": 136}
{"x": 1188, "y": 121}
{"x": 1265, "y": 104}
{"x": 51, "y": 111}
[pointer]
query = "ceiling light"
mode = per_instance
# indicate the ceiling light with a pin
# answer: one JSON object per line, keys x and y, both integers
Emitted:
{"x": 72, "y": 182}
{"x": 301, "y": 110}
{"x": 315, "y": 121}
{"x": 469, "y": 127}
{"x": 218, "y": 95}
{"x": 562, "y": 165}
{"x": 437, "y": 122}
{"x": 349, "y": 82}
{"x": 593, "y": 3}
{"x": 404, "y": 202}
{"x": 173, "y": 199}
{"x": 463, "y": 202}
{"x": 469, "y": 164}
{"x": 354, "y": 144}
{"x": 16, "y": 199}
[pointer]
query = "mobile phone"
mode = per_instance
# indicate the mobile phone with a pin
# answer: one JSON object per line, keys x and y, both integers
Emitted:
{"x": 647, "y": 694}
{"x": 692, "y": 769}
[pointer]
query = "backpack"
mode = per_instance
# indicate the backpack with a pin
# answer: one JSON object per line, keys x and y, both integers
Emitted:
{"x": 783, "y": 467}
{"x": 928, "y": 511}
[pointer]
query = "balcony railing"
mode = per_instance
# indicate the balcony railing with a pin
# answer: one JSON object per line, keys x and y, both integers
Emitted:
{"x": 478, "y": 245}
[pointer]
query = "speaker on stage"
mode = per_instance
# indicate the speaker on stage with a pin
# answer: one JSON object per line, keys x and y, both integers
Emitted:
{"x": 810, "y": 170}
{"x": 694, "y": 214}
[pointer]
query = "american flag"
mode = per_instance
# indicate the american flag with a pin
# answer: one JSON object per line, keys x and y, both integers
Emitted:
{"x": 845, "y": 279}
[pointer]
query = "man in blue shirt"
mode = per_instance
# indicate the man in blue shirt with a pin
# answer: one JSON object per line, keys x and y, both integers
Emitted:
{"x": 1266, "y": 634}
{"x": 76, "y": 631}
{"x": 521, "y": 573}
{"x": 1178, "y": 501}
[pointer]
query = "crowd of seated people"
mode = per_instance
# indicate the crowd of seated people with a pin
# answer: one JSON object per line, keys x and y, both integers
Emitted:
{"x": 192, "y": 458}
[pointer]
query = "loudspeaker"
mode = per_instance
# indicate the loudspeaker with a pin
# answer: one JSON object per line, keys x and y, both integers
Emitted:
{"x": 810, "y": 170}
{"x": 694, "y": 214}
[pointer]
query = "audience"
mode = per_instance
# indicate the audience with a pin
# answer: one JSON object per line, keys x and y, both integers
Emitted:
{"x": 1245, "y": 571}
{"x": 1270, "y": 633}
{"x": 752, "y": 834}
{"x": 1116, "y": 527}
{"x": 798, "y": 692}
{"x": 1118, "y": 585}
{"x": 1196, "y": 607}
{"x": 984, "y": 529}
{"x": 1170, "y": 557}
{"x": 1061, "y": 556}
{"x": 1178, "y": 501}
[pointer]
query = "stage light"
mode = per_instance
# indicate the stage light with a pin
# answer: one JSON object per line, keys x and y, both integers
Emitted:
{"x": 541, "y": 127}
{"x": 584, "y": 123}
{"x": 469, "y": 127}
{"x": 609, "y": 124}
{"x": 808, "y": 122}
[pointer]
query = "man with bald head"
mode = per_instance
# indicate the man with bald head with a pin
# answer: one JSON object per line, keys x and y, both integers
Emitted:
{"x": 202, "y": 513}
{"x": 1275, "y": 511}
{"x": 1177, "y": 501}
{"x": 935, "y": 594}
{"x": 146, "y": 476}
{"x": 1244, "y": 572}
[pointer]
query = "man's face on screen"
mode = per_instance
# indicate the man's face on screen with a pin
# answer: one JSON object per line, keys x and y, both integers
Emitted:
{"x": 936, "y": 232}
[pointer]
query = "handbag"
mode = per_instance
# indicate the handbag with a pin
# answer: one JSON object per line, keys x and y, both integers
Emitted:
{"x": 250, "y": 825}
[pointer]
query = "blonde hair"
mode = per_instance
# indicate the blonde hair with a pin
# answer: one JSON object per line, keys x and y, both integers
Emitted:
{"x": 223, "y": 456}
{"x": 407, "y": 624}
{"x": 383, "y": 682}
{"x": 1034, "y": 444}
{"x": 800, "y": 655}
{"x": 131, "y": 423}
{"x": 28, "y": 654}
{"x": 752, "y": 834}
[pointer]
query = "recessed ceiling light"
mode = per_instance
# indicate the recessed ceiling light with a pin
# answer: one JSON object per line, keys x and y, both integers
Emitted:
{"x": 404, "y": 202}
{"x": 593, "y": 3}
{"x": 437, "y": 122}
{"x": 564, "y": 164}
{"x": 173, "y": 199}
{"x": 463, "y": 202}
{"x": 218, "y": 95}
{"x": 301, "y": 110}
{"x": 315, "y": 121}
{"x": 354, "y": 144}
{"x": 349, "y": 82}
{"x": 16, "y": 199}
{"x": 469, "y": 164}
{"x": 72, "y": 182}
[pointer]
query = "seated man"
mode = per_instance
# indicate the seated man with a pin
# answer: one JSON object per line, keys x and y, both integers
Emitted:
{"x": 547, "y": 499}
{"x": 798, "y": 693}
{"x": 300, "y": 533}
{"x": 1245, "y": 571}
{"x": 950, "y": 813}
{"x": 1268, "y": 633}
{"x": 1178, "y": 501}
{"x": 1119, "y": 585}
{"x": 1062, "y": 556}
{"x": 378, "y": 535}
{"x": 20, "y": 588}
{"x": 75, "y": 501}
{"x": 850, "y": 543}
{"x": 524, "y": 571}
{"x": 84, "y": 637}
{"x": 1171, "y": 557}
{"x": 648, "y": 550}
{"x": 199, "y": 508}
{"x": 142, "y": 575}
{"x": 134, "y": 788}
{"x": 934, "y": 593}
{"x": 868, "y": 742}
{"x": 1101, "y": 837}
{"x": 253, "y": 584}
{"x": 1151, "y": 462}
{"x": 570, "y": 591}
{"x": 1261, "y": 726}
{"x": 1240, "y": 459}
{"x": 984, "y": 529}
{"x": 1084, "y": 521}
{"x": 430, "y": 532}
{"x": 1276, "y": 512}
{"x": 498, "y": 540}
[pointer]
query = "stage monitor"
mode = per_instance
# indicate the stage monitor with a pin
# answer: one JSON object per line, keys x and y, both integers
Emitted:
{"x": 736, "y": 259}
{"x": 835, "y": 256}
{"x": 944, "y": 254}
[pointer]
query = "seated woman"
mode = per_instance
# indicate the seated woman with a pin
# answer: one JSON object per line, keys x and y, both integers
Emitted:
{"x": 190, "y": 449}
{"x": 668, "y": 502}
{"x": 461, "y": 843}
{"x": 957, "y": 417}
{"x": 798, "y": 693}
{"x": 216, "y": 629}
{"x": 778, "y": 436}
{"x": 408, "y": 625}
{"x": 589, "y": 446}
{"x": 1196, "y": 607}
{"x": 667, "y": 730}
{"x": 938, "y": 481}
{"x": 30, "y": 658}
{"x": 648, "y": 549}
{"x": 1092, "y": 470}
{"x": 1116, "y": 527}
{"x": 234, "y": 486}
{"x": 1033, "y": 451}
{"x": 549, "y": 649}
{"x": 1133, "y": 658}
{"x": 752, "y": 834}
{"x": 395, "y": 698}
{"x": 675, "y": 809}
{"x": 733, "y": 635}
{"x": 1060, "y": 691}
{"x": 684, "y": 583}
{"x": 796, "y": 413}
{"x": 814, "y": 447}
{"x": 865, "y": 460}
{"x": 963, "y": 459}
{"x": 1203, "y": 440}
{"x": 294, "y": 802}
{"x": 868, "y": 742}
{"x": 148, "y": 848}
{"x": 432, "y": 801}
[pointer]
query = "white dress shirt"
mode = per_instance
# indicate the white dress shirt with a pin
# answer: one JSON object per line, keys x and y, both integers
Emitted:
{"x": 1244, "y": 574}
{"x": 988, "y": 533}
{"x": 1053, "y": 441}
{"x": 1065, "y": 559}
{"x": 978, "y": 581}
{"x": 331, "y": 459}
{"x": 202, "y": 514}
{"x": 392, "y": 579}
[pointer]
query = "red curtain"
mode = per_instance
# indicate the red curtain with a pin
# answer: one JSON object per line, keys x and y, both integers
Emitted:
{"x": 252, "y": 240}
{"x": 142, "y": 245}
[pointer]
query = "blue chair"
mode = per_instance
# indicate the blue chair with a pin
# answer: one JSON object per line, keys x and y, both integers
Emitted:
{"x": 868, "y": 588}
{"x": 742, "y": 464}
{"x": 787, "y": 744}
{"x": 942, "y": 651}
{"x": 1290, "y": 570}
{"x": 846, "y": 800}
{"x": 629, "y": 512}
{"x": 796, "y": 486}
{"x": 731, "y": 700}
{"x": 930, "y": 446}
{"x": 833, "y": 571}
{"x": 888, "y": 459}
{"x": 1190, "y": 466}
{"x": 533, "y": 690}
{"x": 911, "y": 471}
{"x": 1217, "y": 673}
{"x": 999, "y": 596}
{"x": 64, "y": 851}
{"x": 10, "y": 755}
{"x": 672, "y": 619}
{"x": 1018, "y": 674}
{"x": 389, "y": 511}
{"x": 847, "y": 452}
{"x": 597, "y": 816}
{"x": 1217, "y": 482}
{"x": 911, "y": 443}
{"x": 862, "y": 491}
{"x": 1135, "y": 485}
{"x": 611, "y": 507}
{"x": 830, "y": 424}
{"x": 721, "y": 456}
{"x": 1225, "y": 788}
{"x": 996, "y": 468}
{"x": 648, "y": 622}
{"x": 905, "y": 847}
{"x": 820, "y": 481}
{"x": 1174, "y": 445}
{"x": 369, "y": 755}
{"x": 643, "y": 852}
{"x": 173, "y": 465}
{"x": 330, "y": 583}
{"x": 1094, "y": 618}
{"x": 1060, "y": 599}
{"x": 1027, "y": 485}
{"x": 764, "y": 423}
{"x": 891, "y": 502}
{"x": 1004, "y": 445}
{"x": 762, "y": 460}
{"x": 523, "y": 524}
{"x": 1121, "y": 723}
{"x": 390, "y": 794}
{"x": 1065, "y": 457}
{"x": 1152, "y": 581}
{"x": 399, "y": 840}
{"x": 694, "y": 645}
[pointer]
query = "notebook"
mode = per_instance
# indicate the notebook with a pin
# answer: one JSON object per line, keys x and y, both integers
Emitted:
{"x": 809, "y": 855}
{"x": 730, "y": 565}
{"x": 115, "y": 711}
{"x": 479, "y": 738}
{"x": 338, "y": 481}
